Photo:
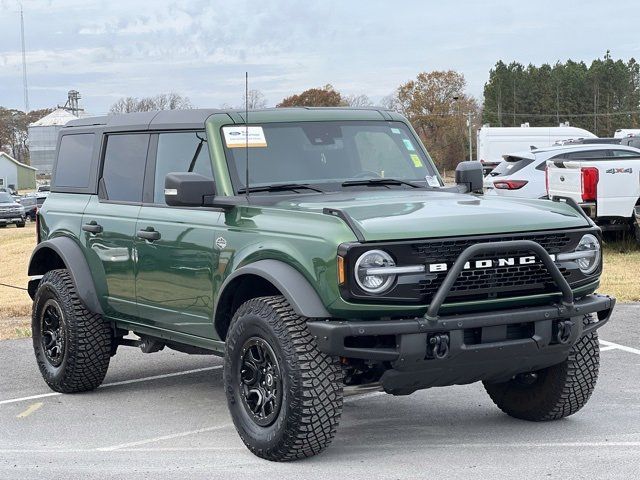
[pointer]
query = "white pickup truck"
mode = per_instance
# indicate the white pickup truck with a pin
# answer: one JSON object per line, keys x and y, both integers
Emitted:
{"x": 607, "y": 189}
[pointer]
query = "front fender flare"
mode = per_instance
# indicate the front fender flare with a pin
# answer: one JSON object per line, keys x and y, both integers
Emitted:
{"x": 74, "y": 261}
{"x": 302, "y": 297}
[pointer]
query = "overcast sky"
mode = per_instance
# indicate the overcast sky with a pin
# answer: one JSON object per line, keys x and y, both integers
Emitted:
{"x": 201, "y": 49}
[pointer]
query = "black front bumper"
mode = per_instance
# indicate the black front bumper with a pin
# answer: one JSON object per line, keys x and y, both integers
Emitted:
{"x": 492, "y": 346}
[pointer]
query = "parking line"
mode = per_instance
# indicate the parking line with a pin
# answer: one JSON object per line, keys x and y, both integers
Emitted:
{"x": 159, "y": 439}
{"x": 605, "y": 349}
{"x": 115, "y": 384}
{"x": 620, "y": 347}
{"x": 32, "y": 408}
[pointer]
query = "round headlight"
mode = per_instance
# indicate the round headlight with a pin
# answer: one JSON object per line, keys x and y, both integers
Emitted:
{"x": 589, "y": 264}
{"x": 378, "y": 282}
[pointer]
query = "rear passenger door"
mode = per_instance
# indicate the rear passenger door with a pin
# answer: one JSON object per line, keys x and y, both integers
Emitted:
{"x": 177, "y": 260}
{"x": 109, "y": 222}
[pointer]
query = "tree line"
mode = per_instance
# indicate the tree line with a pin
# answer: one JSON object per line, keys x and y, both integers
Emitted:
{"x": 600, "y": 97}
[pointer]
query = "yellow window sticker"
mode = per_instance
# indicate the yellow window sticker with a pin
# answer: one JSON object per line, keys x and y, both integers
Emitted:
{"x": 417, "y": 162}
{"x": 241, "y": 136}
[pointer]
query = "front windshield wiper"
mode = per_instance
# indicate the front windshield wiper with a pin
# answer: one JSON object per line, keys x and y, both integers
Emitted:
{"x": 280, "y": 187}
{"x": 379, "y": 181}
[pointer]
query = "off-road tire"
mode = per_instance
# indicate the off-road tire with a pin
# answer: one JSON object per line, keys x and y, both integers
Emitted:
{"x": 311, "y": 382}
{"x": 21, "y": 224}
{"x": 87, "y": 337}
{"x": 559, "y": 391}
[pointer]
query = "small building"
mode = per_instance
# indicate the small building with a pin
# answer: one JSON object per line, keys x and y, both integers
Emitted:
{"x": 43, "y": 136}
{"x": 15, "y": 174}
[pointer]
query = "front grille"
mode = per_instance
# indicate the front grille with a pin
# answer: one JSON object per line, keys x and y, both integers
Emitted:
{"x": 488, "y": 282}
{"x": 495, "y": 282}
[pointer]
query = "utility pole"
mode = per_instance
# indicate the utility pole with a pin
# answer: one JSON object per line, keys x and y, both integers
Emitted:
{"x": 24, "y": 63}
{"x": 470, "y": 141}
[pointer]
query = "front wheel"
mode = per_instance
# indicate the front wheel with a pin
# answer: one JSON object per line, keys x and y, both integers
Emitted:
{"x": 284, "y": 395}
{"x": 554, "y": 392}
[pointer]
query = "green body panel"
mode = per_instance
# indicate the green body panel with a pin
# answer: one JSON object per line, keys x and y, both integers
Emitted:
{"x": 111, "y": 255}
{"x": 174, "y": 278}
{"x": 61, "y": 215}
{"x": 169, "y": 288}
{"x": 406, "y": 214}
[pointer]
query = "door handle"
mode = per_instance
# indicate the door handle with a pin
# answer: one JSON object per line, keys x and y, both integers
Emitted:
{"x": 149, "y": 234}
{"x": 92, "y": 227}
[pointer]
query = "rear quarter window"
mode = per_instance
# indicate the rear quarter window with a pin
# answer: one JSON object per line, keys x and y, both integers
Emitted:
{"x": 74, "y": 165}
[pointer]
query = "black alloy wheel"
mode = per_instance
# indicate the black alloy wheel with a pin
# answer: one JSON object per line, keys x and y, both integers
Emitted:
{"x": 261, "y": 381}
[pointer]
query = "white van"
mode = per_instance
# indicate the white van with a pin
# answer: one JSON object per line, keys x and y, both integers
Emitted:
{"x": 626, "y": 132}
{"x": 494, "y": 142}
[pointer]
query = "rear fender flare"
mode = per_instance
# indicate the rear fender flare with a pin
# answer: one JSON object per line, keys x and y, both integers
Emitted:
{"x": 45, "y": 258}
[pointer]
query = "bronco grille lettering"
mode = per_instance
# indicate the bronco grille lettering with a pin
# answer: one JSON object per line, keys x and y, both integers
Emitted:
{"x": 488, "y": 263}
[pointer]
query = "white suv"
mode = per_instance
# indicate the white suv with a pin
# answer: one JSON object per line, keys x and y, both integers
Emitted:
{"x": 521, "y": 174}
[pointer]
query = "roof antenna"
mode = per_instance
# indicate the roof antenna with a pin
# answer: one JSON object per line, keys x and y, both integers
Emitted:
{"x": 246, "y": 132}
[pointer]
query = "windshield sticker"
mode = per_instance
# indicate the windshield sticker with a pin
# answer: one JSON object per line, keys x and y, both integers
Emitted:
{"x": 408, "y": 144}
{"x": 432, "y": 181}
{"x": 396, "y": 131}
{"x": 235, "y": 137}
{"x": 417, "y": 162}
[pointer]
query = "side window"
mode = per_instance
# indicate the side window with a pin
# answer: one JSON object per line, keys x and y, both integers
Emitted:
{"x": 123, "y": 168}
{"x": 180, "y": 152}
{"x": 624, "y": 153}
{"x": 588, "y": 154}
{"x": 73, "y": 168}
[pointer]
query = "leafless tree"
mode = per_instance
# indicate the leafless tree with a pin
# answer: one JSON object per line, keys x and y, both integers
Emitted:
{"x": 358, "y": 100}
{"x": 162, "y": 101}
{"x": 255, "y": 100}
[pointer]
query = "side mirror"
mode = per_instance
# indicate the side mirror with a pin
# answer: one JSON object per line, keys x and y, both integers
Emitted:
{"x": 188, "y": 189}
{"x": 469, "y": 175}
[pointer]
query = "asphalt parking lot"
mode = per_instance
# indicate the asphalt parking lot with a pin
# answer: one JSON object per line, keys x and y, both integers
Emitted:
{"x": 164, "y": 415}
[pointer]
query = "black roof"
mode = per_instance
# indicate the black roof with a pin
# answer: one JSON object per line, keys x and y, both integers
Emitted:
{"x": 192, "y": 118}
{"x": 144, "y": 120}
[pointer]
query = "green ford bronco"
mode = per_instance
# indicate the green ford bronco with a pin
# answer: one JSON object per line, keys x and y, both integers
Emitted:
{"x": 314, "y": 249}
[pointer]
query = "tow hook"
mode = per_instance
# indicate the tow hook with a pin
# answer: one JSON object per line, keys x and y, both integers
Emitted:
{"x": 563, "y": 332}
{"x": 439, "y": 345}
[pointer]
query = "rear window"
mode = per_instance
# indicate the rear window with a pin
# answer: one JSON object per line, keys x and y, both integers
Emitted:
{"x": 73, "y": 168}
{"x": 510, "y": 166}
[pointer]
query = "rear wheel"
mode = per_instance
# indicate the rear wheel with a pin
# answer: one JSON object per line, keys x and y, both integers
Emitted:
{"x": 554, "y": 392}
{"x": 72, "y": 345}
{"x": 284, "y": 395}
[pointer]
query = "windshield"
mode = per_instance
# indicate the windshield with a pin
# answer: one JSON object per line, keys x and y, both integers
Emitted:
{"x": 326, "y": 153}
{"x": 6, "y": 198}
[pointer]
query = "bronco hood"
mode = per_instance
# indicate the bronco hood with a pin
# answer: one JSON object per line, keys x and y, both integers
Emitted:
{"x": 400, "y": 214}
